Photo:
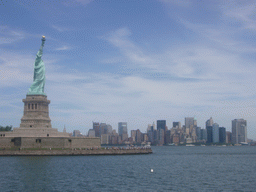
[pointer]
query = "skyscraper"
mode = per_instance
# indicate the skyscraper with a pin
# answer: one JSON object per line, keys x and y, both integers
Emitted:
{"x": 122, "y": 128}
{"x": 105, "y": 138}
{"x": 96, "y": 128}
{"x": 222, "y": 134}
{"x": 161, "y": 137}
{"x": 133, "y": 135}
{"x": 161, "y": 124}
{"x": 138, "y": 136}
{"x": 228, "y": 137}
{"x": 209, "y": 122}
{"x": 176, "y": 125}
{"x": 215, "y": 133}
{"x": 77, "y": 133}
{"x": 91, "y": 133}
{"x": 151, "y": 127}
{"x": 168, "y": 136}
{"x": 109, "y": 129}
{"x": 198, "y": 133}
{"x": 239, "y": 131}
{"x": 209, "y": 134}
{"x": 155, "y": 136}
{"x": 103, "y": 128}
{"x": 151, "y": 136}
{"x": 189, "y": 121}
{"x": 203, "y": 134}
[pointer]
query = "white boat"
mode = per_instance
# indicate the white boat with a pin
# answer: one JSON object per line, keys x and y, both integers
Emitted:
{"x": 190, "y": 145}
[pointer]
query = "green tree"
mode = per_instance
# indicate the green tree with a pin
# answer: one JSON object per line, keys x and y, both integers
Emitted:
{"x": 7, "y": 128}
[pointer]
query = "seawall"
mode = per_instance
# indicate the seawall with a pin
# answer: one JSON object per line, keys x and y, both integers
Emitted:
{"x": 73, "y": 152}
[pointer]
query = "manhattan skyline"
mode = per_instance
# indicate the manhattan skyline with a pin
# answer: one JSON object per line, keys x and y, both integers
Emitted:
{"x": 134, "y": 62}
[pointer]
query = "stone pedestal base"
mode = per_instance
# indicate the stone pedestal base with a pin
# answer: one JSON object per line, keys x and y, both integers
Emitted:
{"x": 36, "y": 112}
{"x": 35, "y": 121}
{"x": 35, "y": 132}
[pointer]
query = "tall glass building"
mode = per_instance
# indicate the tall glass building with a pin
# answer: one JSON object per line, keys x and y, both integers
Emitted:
{"x": 209, "y": 134}
{"x": 190, "y": 121}
{"x": 239, "y": 131}
{"x": 161, "y": 124}
{"x": 215, "y": 133}
{"x": 209, "y": 122}
{"x": 122, "y": 128}
{"x": 222, "y": 134}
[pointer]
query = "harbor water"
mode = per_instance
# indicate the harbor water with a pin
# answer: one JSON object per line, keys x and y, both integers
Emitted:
{"x": 169, "y": 168}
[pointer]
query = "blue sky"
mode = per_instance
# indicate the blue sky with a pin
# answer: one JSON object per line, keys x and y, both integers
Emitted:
{"x": 133, "y": 61}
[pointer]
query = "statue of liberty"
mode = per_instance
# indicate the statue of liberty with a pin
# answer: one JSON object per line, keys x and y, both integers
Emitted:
{"x": 37, "y": 87}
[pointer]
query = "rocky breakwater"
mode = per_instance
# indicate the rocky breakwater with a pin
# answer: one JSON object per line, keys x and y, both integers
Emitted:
{"x": 76, "y": 151}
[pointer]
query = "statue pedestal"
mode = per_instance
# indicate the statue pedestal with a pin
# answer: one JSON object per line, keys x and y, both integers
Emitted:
{"x": 36, "y": 112}
{"x": 36, "y": 121}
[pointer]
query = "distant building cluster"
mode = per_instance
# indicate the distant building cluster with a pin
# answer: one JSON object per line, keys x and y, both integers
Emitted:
{"x": 159, "y": 134}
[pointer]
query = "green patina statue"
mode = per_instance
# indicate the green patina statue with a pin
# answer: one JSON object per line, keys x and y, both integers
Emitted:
{"x": 37, "y": 87}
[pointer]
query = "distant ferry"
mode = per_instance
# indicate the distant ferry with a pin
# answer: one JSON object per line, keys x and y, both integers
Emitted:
{"x": 148, "y": 146}
{"x": 171, "y": 144}
{"x": 244, "y": 143}
{"x": 190, "y": 145}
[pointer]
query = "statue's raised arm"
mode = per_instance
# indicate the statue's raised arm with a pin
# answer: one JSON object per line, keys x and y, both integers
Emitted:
{"x": 40, "y": 52}
{"x": 37, "y": 87}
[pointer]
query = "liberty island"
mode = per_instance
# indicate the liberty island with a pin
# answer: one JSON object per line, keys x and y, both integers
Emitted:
{"x": 36, "y": 132}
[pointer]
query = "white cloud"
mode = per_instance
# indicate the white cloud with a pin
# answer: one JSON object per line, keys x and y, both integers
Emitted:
{"x": 8, "y": 35}
{"x": 198, "y": 61}
{"x": 242, "y": 12}
{"x": 15, "y": 69}
{"x": 221, "y": 37}
{"x": 60, "y": 29}
{"x": 77, "y": 2}
{"x": 63, "y": 48}
{"x": 112, "y": 60}
{"x": 182, "y": 3}
{"x": 84, "y": 1}
{"x": 120, "y": 39}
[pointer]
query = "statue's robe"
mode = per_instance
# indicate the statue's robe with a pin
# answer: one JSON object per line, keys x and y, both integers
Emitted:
{"x": 37, "y": 87}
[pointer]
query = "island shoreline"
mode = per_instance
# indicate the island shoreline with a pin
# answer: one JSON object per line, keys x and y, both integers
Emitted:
{"x": 69, "y": 152}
